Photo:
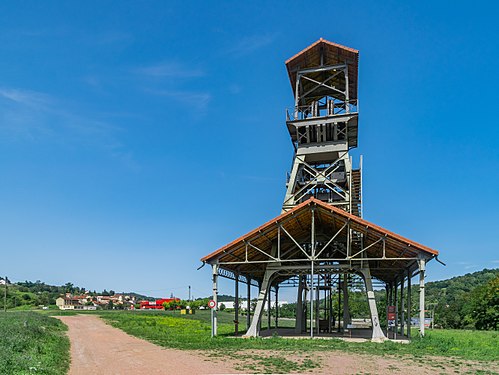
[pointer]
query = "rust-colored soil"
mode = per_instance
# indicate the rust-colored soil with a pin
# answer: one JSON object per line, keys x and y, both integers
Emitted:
{"x": 97, "y": 348}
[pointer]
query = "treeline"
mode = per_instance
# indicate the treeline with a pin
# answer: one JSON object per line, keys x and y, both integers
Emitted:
{"x": 470, "y": 301}
{"x": 28, "y": 294}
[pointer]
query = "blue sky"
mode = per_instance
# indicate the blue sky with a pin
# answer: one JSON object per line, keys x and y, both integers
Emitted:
{"x": 138, "y": 136}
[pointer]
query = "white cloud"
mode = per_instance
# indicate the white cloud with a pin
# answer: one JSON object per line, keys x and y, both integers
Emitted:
{"x": 170, "y": 69}
{"x": 199, "y": 100}
{"x": 26, "y": 97}
{"x": 251, "y": 44}
{"x": 36, "y": 116}
{"x": 471, "y": 266}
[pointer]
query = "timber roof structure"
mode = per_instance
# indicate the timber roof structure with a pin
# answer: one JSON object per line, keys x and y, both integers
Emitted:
{"x": 388, "y": 253}
{"x": 326, "y": 53}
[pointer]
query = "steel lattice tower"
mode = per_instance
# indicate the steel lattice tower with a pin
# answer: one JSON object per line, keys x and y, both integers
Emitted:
{"x": 323, "y": 127}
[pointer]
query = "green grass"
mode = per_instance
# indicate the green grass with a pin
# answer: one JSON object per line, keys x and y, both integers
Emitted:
{"x": 193, "y": 332}
{"x": 32, "y": 343}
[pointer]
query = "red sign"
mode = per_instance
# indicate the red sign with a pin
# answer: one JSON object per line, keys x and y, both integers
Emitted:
{"x": 212, "y": 304}
{"x": 391, "y": 316}
{"x": 391, "y": 309}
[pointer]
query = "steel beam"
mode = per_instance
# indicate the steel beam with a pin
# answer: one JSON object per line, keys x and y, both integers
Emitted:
{"x": 214, "y": 310}
{"x": 236, "y": 306}
{"x": 422, "y": 269}
{"x": 409, "y": 302}
{"x": 248, "y": 304}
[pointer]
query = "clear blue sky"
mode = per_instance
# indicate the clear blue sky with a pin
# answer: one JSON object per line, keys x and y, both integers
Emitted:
{"x": 138, "y": 136}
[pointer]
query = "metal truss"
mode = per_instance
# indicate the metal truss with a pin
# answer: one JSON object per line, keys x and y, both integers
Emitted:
{"x": 336, "y": 103}
{"x": 344, "y": 235}
{"x": 234, "y": 276}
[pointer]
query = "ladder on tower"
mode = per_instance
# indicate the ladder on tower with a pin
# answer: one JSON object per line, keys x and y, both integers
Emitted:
{"x": 356, "y": 208}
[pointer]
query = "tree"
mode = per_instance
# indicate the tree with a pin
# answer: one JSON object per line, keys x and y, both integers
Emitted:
{"x": 222, "y": 307}
{"x": 485, "y": 305}
{"x": 68, "y": 287}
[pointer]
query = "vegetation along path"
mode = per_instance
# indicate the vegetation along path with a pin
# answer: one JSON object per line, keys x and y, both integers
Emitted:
{"x": 97, "y": 348}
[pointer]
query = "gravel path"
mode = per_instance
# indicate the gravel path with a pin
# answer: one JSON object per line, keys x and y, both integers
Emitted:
{"x": 97, "y": 348}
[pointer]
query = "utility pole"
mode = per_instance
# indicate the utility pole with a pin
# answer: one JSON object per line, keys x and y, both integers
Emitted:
{"x": 189, "y": 292}
{"x": 5, "y": 296}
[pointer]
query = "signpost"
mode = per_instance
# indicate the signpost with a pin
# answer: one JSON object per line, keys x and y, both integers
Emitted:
{"x": 212, "y": 305}
{"x": 391, "y": 316}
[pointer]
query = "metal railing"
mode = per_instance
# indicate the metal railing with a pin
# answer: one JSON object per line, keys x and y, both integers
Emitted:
{"x": 315, "y": 110}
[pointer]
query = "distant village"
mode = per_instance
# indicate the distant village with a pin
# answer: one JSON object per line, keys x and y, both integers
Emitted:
{"x": 89, "y": 302}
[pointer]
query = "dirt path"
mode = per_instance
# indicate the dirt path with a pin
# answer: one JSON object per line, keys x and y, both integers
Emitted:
{"x": 97, "y": 348}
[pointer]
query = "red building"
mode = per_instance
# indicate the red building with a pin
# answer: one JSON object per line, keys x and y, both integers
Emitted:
{"x": 156, "y": 305}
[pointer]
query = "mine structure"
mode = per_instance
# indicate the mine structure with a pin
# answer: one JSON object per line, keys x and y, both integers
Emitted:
{"x": 320, "y": 243}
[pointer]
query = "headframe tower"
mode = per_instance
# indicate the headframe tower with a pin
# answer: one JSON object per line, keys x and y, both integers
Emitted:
{"x": 320, "y": 243}
{"x": 323, "y": 126}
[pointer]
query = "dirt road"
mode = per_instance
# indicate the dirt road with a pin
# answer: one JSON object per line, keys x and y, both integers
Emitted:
{"x": 97, "y": 348}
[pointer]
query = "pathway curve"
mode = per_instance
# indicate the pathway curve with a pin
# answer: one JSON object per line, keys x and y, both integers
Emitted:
{"x": 97, "y": 348}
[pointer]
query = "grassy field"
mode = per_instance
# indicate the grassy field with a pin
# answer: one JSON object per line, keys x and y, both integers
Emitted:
{"x": 193, "y": 332}
{"x": 32, "y": 343}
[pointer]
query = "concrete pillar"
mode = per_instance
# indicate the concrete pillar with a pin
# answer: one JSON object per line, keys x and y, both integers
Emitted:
{"x": 254, "y": 329}
{"x": 378, "y": 334}
{"x": 422, "y": 269}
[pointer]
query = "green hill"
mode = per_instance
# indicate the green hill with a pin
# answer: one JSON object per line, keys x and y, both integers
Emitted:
{"x": 458, "y": 299}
